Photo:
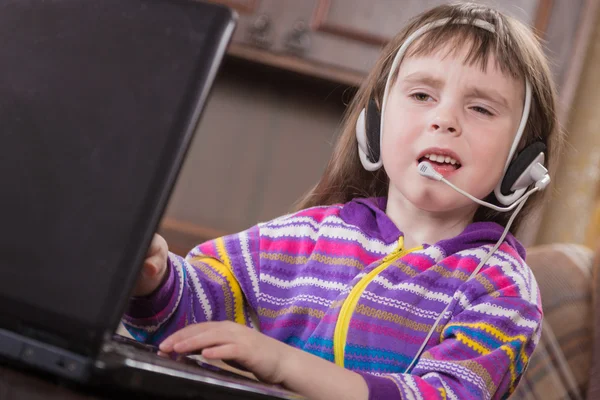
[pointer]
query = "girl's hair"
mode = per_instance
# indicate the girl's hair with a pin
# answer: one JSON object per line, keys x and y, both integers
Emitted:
{"x": 518, "y": 54}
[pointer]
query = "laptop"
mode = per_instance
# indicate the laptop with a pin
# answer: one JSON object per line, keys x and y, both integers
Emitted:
{"x": 99, "y": 100}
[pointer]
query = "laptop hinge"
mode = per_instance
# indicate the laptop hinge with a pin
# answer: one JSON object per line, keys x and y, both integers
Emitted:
{"x": 44, "y": 356}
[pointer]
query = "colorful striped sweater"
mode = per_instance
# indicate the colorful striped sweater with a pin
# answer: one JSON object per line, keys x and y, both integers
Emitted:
{"x": 336, "y": 282}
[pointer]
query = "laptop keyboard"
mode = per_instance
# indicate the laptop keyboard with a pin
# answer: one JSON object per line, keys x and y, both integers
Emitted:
{"x": 147, "y": 353}
{"x": 128, "y": 349}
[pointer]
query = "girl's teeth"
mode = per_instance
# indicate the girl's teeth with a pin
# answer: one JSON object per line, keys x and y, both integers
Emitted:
{"x": 441, "y": 159}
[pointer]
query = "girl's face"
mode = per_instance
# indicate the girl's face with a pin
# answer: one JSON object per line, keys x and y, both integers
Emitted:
{"x": 456, "y": 116}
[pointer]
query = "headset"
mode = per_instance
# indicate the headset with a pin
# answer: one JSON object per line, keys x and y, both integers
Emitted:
{"x": 526, "y": 168}
{"x": 521, "y": 170}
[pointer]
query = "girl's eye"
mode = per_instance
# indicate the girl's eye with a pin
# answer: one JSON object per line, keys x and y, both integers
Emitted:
{"x": 481, "y": 110}
{"x": 420, "y": 96}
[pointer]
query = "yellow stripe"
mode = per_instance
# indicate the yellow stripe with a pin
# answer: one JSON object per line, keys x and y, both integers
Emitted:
{"x": 484, "y": 350}
{"x": 238, "y": 296}
{"x": 341, "y": 327}
{"x": 513, "y": 373}
{"x": 207, "y": 266}
{"x": 478, "y": 347}
{"x": 234, "y": 289}
{"x": 442, "y": 393}
{"x": 498, "y": 334}
{"x": 340, "y": 334}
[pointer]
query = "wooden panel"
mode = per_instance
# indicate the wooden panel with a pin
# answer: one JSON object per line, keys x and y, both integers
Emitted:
{"x": 340, "y": 23}
{"x": 376, "y": 22}
{"x": 346, "y": 36}
{"x": 310, "y": 68}
{"x": 350, "y": 33}
{"x": 243, "y": 6}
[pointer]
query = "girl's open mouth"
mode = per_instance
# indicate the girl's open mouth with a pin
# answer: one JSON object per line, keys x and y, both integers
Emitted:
{"x": 444, "y": 165}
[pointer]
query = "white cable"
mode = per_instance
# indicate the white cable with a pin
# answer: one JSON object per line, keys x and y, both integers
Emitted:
{"x": 475, "y": 272}
{"x": 490, "y": 205}
{"x": 427, "y": 170}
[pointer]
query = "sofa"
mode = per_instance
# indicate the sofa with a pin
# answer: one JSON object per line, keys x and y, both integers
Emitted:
{"x": 566, "y": 362}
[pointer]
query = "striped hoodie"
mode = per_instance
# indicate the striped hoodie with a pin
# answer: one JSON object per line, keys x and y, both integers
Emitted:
{"x": 336, "y": 281}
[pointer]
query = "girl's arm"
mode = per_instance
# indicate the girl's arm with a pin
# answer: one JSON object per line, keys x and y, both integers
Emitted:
{"x": 215, "y": 282}
{"x": 319, "y": 379}
{"x": 482, "y": 354}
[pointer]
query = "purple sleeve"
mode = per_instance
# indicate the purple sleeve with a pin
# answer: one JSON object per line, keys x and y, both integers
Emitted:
{"x": 144, "y": 309}
{"x": 215, "y": 282}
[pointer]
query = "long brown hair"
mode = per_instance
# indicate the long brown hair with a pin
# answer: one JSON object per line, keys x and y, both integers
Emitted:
{"x": 518, "y": 54}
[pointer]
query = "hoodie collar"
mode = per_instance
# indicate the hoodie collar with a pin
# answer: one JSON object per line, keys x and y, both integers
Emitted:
{"x": 369, "y": 215}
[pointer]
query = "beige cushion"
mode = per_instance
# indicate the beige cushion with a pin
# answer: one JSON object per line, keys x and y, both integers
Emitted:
{"x": 560, "y": 365}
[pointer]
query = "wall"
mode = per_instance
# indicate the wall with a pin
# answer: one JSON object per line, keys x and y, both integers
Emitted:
{"x": 263, "y": 141}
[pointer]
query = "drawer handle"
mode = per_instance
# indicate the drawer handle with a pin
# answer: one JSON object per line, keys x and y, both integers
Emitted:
{"x": 259, "y": 32}
{"x": 297, "y": 41}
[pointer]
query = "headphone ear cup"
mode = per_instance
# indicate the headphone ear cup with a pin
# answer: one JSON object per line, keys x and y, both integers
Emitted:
{"x": 372, "y": 129}
{"x": 531, "y": 154}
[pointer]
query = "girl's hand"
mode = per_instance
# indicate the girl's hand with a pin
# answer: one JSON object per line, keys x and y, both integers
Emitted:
{"x": 226, "y": 340}
{"x": 155, "y": 266}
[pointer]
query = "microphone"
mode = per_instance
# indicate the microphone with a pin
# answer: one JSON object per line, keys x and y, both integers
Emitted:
{"x": 426, "y": 169}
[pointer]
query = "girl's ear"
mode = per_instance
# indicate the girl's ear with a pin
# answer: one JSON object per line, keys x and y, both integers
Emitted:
{"x": 521, "y": 172}
{"x": 368, "y": 135}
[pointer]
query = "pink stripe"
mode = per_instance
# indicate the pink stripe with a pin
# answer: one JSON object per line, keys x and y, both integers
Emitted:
{"x": 328, "y": 247}
{"x": 319, "y": 213}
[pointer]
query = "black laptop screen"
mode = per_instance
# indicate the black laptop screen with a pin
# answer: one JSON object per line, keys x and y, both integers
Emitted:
{"x": 96, "y": 98}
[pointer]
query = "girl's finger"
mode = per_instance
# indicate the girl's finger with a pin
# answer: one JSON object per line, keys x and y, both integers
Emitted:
{"x": 224, "y": 352}
{"x": 154, "y": 245}
{"x": 154, "y": 265}
{"x": 203, "y": 340}
{"x": 222, "y": 330}
{"x": 179, "y": 336}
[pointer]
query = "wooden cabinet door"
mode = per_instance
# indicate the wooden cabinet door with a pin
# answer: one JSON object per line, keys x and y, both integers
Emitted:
{"x": 343, "y": 38}
{"x": 260, "y": 22}
{"x": 350, "y": 33}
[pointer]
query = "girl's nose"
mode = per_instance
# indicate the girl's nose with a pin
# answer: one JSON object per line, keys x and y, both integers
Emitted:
{"x": 445, "y": 121}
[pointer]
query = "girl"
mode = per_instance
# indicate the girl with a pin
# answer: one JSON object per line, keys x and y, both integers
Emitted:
{"x": 388, "y": 284}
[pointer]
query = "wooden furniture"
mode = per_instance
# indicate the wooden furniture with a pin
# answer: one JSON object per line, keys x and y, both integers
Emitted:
{"x": 341, "y": 39}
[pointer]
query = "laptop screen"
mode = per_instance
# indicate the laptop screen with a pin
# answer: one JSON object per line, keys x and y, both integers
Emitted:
{"x": 98, "y": 102}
